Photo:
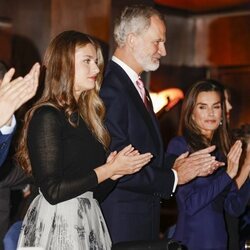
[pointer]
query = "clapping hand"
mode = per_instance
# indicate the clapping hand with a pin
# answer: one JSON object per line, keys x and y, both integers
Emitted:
{"x": 14, "y": 93}
{"x": 127, "y": 161}
{"x": 201, "y": 163}
{"x": 233, "y": 159}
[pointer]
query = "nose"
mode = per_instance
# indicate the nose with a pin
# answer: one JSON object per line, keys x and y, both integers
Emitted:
{"x": 162, "y": 49}
{"x": 211, "y": 112}
{"x": 95, "y": 69}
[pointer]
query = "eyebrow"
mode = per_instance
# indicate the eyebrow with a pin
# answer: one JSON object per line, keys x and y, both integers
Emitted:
{"x": 88, "y": 56}
{"x": 202, "y": 103}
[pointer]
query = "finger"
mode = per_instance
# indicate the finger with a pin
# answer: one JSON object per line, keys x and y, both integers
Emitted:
{"x": 208, "y": 167}
{"x": 217, "y": 164}
{"x": 205, "y": 150}
{"x": 126, "y": 150}
{"x": 200, "y": 161}
{"x": 33, "y": 69}
{"x": 21, "y": 88}
{"x": 8, "y": 76}
{"x": 140, "y": 159}
{"x": 235, "y": 147}
{"x": 199, "y": 157}
{"x": 19, "y": 94}
{"x": 182, "y": 156}
{"x": 112, "y": 154}
{"x": 14, "y": 89}
{"x": 234, "y": 156}
{"x": 133, "y": 153}
{"x": 34, "y": 73}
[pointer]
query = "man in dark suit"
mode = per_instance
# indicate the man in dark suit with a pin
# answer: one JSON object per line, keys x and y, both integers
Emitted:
{"x": 132, "y": 210}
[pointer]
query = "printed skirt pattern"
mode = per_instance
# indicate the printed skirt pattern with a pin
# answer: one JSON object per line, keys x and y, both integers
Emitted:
{"x": 75, "y": 224}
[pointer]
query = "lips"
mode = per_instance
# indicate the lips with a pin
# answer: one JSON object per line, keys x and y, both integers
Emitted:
{"x": 210, "y": 121}
{"x": 93, "y": 78}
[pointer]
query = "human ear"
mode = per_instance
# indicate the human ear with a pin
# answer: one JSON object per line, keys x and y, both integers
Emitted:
{"x": 131, "y": 40}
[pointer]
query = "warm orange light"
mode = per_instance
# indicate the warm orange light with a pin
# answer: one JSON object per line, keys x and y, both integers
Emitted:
{"x": 166, "y": 98}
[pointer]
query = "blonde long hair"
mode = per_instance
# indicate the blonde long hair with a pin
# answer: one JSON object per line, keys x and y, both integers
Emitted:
{"x": 59, "y": 64}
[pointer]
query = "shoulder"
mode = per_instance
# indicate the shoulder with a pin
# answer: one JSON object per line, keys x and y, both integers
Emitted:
{"x": 47, "y": 114}
{"x": 114, "y": 76}
{"x": 177, "y": 146}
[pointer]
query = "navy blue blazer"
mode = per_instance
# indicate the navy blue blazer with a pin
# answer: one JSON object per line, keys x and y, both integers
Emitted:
{"x": 132, "y": 209}
{"x": 202, "y": 203}
{"x": 5, "y": 141}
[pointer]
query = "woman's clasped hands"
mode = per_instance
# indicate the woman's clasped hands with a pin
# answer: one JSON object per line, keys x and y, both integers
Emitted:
{"x": 127, "y": 161}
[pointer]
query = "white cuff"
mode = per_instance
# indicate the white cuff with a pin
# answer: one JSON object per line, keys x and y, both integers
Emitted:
{"x": 175, "y": 180}
{"x": 5, "y": 130}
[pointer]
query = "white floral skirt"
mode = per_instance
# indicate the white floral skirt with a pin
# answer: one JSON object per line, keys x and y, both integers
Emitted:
{"x": 76, "y": 224}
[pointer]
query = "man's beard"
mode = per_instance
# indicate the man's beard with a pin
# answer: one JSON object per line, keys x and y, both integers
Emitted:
{"x": 145, "y": 61}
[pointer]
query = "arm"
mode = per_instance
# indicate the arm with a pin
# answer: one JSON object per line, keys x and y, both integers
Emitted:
{"x": 195, "y": 196}
{"x": 237, "y": 199}
{"x": 244, "y": 171}
{"x": 45, "y": 144}
{"x": 6, "y": 133}
{"x": 5, "y": 141}
{"x": 189, "y": 166}
{"x": 239, "y": 196}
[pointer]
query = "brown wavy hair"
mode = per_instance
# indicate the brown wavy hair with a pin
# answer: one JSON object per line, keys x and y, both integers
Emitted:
{"x": 188, "y": 127}
{"x": 59, "y": 65}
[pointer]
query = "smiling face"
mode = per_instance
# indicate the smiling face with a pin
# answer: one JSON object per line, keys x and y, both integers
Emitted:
{"x": 207, "y": 112}
{"x": 86, "y": 69}
{"x": 150, "y": 45}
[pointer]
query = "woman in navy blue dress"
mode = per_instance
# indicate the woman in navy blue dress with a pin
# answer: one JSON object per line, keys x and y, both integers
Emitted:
{"x": 202, "y": 202}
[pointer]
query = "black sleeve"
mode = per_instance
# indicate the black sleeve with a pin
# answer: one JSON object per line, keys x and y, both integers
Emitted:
{"x": 103, "y": 189}
{"x": 45, "y": 145}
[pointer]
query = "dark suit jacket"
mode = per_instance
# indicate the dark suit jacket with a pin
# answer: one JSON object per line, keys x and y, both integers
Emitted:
{"x": 132, "y": 209}
{"x": 5, "y": 141}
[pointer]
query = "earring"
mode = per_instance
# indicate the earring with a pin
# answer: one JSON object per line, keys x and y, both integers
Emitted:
{"x": 220, "y": 122}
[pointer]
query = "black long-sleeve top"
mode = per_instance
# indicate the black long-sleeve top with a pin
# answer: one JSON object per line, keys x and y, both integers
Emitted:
{"x": 63, "y": 157}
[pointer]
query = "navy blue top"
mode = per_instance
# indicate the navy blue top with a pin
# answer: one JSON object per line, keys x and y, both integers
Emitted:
{"x": 201, "y": 205}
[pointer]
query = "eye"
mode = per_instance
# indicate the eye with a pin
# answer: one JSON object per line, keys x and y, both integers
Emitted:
{"x": 87, "y": 61}
{"x": 217, "y": 106}
{"x": 202, "y": 107}
{"x": 156, "y": 43}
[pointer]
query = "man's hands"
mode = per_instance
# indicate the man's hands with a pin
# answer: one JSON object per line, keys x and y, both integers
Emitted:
{"x": 15, "y": 93}
{"x": 200, "y": 163}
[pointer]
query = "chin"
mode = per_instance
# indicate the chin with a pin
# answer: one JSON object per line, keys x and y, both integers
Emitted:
{"x": 152, "y": 67}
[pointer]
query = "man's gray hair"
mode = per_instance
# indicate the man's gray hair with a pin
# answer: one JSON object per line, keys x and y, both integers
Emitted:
{"x": 134, "y": 19}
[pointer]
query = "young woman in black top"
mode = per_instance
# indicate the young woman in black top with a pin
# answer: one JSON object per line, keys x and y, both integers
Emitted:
{"x": 65, "y": 145}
